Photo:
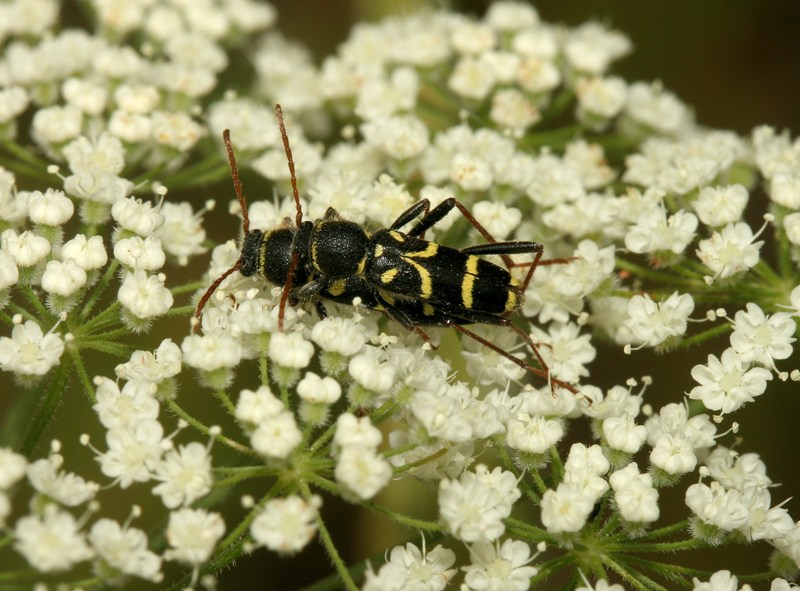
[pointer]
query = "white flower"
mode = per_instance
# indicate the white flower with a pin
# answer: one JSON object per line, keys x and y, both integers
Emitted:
{"x": 12, "y": 467}
{"x": 760, "y": 338}
{"x": 784, "y": 189}
{"x": 141, "y": 218}
{"x": 287, "y": 524}
{"x": 721, "y": 580}
{"x": 182, "y": 233}
{"x": 566, "y": 508}
{"x": 89, "y": 253}
{"x": 9, "y": 273}
{"x": 443, "y": 413}
{"x": 654, "y": 231}
{"x": 624, "y": 434}
{"x": 473, "y": 507}
{"x": 653, "y": 323}
{"x": 185, "y": 475}
{"x": 651, "y": 105}
{"x": 163, "y": 363}
{"x": 133, "y": 452}
{"x": 533, "y": 434}
{"x": 290, "y": 349}
{"x": 591, "y": 47}
{"x": 253, "y": 408}
{"x": 193, "y": 534}
{"x": 362, "y": 471}
{"x": 125, "y": 549}
{"x": 103, "y": 154}
{"x": 674, "y": 454}
{"x": 27, "y": 248}
{"x": 730, "y": 251}
{"x": 791, "y": 224}
{"x": 471, "y": 78}
{"x": 565, "y": 351}
{"x": 63, "y": 278}
{"x": 372, "y": 372}
{"x": 634, "y": 494}
{"x": 138, "y": 253}
{"x": 601, "y": 97}
{"x": 498, "y": 219}
{"x": 408, "y": 568}
{"x": 317, "y": 390}
{"x": 717, "y": 506}
{"x": 65, "y": 488}
{"x": 51, "y": 542}
{"x": 353, "y": 431}
{"x": 176, "y": 130}
{"x": 56, "y": 124}
{"x": 29, "y": 351}
{"x": 399, "y": 137}
{"x": 336, "y": 334}
{"x": 276, "y": 436}
{"x": 721, "y": 205}
{"x": 494, "y": 566}
{"x": 727, "y": 383}
{"x": 512, "y": 110}
{"x": 51, "y": 208}
{"x": 126, "y": 407}
{"x": 145, "y": 296}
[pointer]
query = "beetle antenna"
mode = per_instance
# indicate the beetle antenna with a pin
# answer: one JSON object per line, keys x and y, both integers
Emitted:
{"x": 237, "y": 184}
{"x": 297, "y": 220}
{"x": 290, "y": 161}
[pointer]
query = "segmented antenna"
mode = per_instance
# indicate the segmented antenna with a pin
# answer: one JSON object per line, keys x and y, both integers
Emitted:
{"x": 298, "y": 217}
{"x": 237, "y": 186}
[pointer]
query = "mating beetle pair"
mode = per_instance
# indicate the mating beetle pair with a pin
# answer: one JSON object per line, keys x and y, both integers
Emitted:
{"x": 413, "y": 281}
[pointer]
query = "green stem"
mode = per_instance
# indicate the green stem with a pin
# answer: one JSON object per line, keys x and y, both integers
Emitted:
{"x": 174, "y": 407}
{"x": 47, "y": 409}
{"x": 99, "y": 289}
{"x": 327, "y": 542}
{"x": 80, "y": 369}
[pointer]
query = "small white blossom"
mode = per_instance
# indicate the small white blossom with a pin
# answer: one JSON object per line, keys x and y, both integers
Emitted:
{"x": 27, "y": 248}
{"x": 652, "y": 323}
{"x": 125, "y": 549}
{"x": 674, "y": 454}
{"x": 12, "y": 467}
{"x": 762, "y": 338}
{"x": 56, "y": 124}
{"x": 145, "y": 296}
{"x": 141, "y": 218}
{"x": 63, "y": 278}
{"x": 317, "y": 390}
{"x": 717, "y": 506}
{"x": 126, "y": 407}
{"x": 336, "y": 334}
{"x": 9, "y": 273}
{"x": 600, "y": 97}
{"x": 193, "y": 534}
{"x": 624, "y": 434}
{"x": 634, "y": 494}
{"x": 566, "y": 508}
{"x": 654, "y": 232}
{"x": 185, "y": 475}
{"x": 29, "y": 351}
{"x": 66, "y": 488}
{"x": 277, "y": 435}
{"x": 730, "y": 251}
{"x": 495, "y": 566}
{"x": 138, "y": 253}
{"x": 409, "y": 568}
{"x": 133, "y": 452}
{"x": 721, "y": 205}
{"x": 362, "y": 471}
{"x": 286, "y": 525}
{"x": 353, "y": 431}
{"x": 533, "y": 434}
{"x": 51, "y": 208}
{"x": 784, "y": 189}
{"x": 182, "y": 234}
{"x": 290, "y": 349}
{"x": 399, "y": 137}
{"x": 89, "y": 253}
{"x": 727, "y": 383}
{"x": 163, "y": 363}
{"x": 51, "y": 542}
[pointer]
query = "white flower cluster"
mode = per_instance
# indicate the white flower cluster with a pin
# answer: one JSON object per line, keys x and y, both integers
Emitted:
{"x": 641, "y": 250}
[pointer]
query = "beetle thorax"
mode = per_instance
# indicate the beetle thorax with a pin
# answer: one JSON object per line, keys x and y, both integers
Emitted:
{"x": 338, "y": 249}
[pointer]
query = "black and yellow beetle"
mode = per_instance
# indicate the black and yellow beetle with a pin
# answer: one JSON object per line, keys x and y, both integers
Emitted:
{"x": 412, "y": 280}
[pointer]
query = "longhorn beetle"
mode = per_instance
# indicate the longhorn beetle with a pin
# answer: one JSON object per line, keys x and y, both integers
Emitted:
{"x": 412, "y": 280}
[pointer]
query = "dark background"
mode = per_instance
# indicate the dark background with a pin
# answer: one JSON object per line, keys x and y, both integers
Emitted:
{"x": 738, "y": 65}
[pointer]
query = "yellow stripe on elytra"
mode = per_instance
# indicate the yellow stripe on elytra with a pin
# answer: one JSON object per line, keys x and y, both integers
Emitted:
{"x": 388, "y": 276}
{"x": 428, "y": 252}
{"x": 425, "y": 283}
{"x": 468, "y": 283}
